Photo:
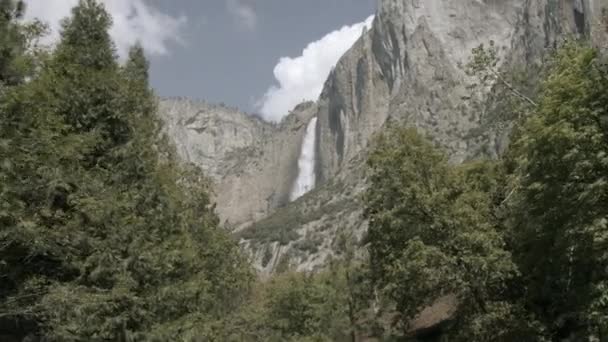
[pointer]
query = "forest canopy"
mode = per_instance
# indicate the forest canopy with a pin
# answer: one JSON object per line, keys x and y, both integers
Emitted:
{"x": 105, "y": 235}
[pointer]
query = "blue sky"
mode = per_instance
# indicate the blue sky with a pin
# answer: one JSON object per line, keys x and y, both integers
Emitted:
{"x": 227, "y": 50}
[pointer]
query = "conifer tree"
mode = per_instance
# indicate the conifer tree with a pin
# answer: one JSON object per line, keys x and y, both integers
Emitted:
{"x": 12, "y": 39}
{"x": 85, "y": 39}
{"x": 100, "y": 238}
{"x": 137, "y": 66}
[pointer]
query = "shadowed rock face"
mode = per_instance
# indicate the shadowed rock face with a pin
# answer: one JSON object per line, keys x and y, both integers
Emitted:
{"x": 406, "y": 68}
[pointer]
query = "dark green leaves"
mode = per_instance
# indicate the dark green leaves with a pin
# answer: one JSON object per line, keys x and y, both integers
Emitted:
{"x": 101, "y": 238}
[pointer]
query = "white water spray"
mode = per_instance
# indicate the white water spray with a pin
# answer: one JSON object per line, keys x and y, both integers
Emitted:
{"x": 306, "y": 163}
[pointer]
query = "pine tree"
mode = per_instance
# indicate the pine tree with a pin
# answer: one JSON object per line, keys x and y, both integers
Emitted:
{"x": 85, "y": 70}
{"x": 101, "y": 238}
{"x": 12, "y": 40}
{"x": 137, "y": 66}
{"x": 85, "y": 40}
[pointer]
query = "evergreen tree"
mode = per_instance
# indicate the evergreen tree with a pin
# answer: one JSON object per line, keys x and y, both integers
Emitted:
{"x": 85, "y": 40}
{"x": 16, "y": 259}
{"x": 137, "y": 66}
{"x": 101, "y": 239}
{"x": 12, "y": 39}
{"x": 86, "y": 73}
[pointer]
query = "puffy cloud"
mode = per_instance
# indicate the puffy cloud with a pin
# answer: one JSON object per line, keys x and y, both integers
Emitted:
{"x": 243, "y": 14}
{"x": 302, "y": 78}
{"x": 134, "y": 20}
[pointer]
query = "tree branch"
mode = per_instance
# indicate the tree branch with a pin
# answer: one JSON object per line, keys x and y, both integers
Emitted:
{"x": 513, "y": 89}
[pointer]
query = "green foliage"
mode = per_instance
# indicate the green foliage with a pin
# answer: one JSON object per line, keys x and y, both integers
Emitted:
{"x": 432, "y": 232}
{"x": 137, "y": 65}
{"x": 268, "y": 254}
{"x": 18, "y": 47}
{"x": 559, "y": 213}
{"x": 105, "y": 236}
{"x": 309, "y": 245}
{"x": 100, "y": 237}
{"x": 85, "y": 39}
{"x": 299, "y": 307}
{"x": 521, "y": 242}
{"x": 485, "y": 65}
{"x": 281, "y": 226}
{"x": 329, "y": 306}
{"x": 12, "y": 39}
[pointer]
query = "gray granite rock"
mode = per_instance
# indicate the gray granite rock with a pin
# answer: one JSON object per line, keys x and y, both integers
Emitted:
{"x": 406, "y": 68}
{"x": 252, "y": 163}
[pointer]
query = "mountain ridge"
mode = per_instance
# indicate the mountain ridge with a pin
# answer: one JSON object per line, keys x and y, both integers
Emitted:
{"x": 407, "y": 68}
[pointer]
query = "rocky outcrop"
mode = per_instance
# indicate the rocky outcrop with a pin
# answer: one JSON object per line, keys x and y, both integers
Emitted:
{"x": 252, "y": 164}
{"x": 434, "y": 317}
{"x": 408, "y": 68}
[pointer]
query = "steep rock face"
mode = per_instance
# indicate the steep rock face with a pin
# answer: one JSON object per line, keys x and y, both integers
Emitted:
{"x": 252, "y": 163}
{"x": 408, "y": 68}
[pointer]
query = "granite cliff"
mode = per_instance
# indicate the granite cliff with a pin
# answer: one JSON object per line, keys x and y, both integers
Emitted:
{"x": 407, "y": 68}
{"x": 253, "y": 164}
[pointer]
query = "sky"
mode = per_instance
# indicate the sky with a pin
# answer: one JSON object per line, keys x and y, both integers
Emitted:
{"x": 262, "y": 56}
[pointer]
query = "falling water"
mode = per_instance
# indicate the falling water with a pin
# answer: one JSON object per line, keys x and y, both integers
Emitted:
{"x": 306, "y": 164}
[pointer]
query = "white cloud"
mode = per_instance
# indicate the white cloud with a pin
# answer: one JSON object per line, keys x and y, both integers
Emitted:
{"x": 302, "y": 78}
{"x": 243, "y": 14}
{"x": 134, "y": 20}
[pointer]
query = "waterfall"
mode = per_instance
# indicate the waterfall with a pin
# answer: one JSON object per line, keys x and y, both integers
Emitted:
{"x": 306, "y": 163}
